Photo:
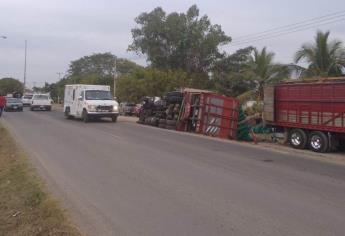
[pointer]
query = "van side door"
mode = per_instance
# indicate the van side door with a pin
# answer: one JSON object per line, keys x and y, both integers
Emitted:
{"x": 80, "y": 101}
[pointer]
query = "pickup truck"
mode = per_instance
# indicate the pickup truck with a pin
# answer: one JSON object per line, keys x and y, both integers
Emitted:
{"x": 41, "y": 102}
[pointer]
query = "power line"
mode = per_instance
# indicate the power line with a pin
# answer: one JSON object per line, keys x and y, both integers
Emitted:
{"x": 290, "y": 29}
{"x": 289, "y": 26}
{"x": 285, "y": 33}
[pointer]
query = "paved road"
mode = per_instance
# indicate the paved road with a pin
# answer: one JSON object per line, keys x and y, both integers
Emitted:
{"x": 126, "y": 179}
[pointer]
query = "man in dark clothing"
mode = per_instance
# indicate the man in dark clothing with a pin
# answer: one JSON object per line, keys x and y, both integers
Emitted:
{"x": 2, "y": 104}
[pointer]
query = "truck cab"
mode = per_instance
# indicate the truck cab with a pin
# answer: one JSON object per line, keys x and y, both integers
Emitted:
{"x": 89, "y": 102}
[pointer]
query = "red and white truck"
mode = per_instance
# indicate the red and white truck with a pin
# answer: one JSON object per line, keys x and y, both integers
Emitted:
{"x": 311, "y": 113}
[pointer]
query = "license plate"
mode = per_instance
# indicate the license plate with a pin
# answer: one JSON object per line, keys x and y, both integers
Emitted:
{"x": 15, "y": 107}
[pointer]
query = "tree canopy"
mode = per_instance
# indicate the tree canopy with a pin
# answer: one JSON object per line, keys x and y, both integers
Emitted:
{"x": 10, "y": 85}
{"x": 324, "y": 57}
{"x": 101, "y": 65}
{"x": 232, "y": 75}
{"x": 265, "y": 71}
{"x": 150, "y": 82}
{"x": 182, "y": 41}
{"x": 97, "y": 68}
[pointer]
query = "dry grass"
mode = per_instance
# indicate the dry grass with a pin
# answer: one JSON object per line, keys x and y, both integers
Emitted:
{"x": 25, "y": 207}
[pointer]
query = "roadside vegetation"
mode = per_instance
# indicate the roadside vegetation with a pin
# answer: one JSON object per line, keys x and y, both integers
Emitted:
{"x": 25, "y": 207}
{"x": 184, "y": 49}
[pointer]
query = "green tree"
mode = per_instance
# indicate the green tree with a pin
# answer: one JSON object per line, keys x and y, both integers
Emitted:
{"x": 100, "y": 64}
{"x": 265, "y": 71}
{"x": 10, "y": 85}
{"x": 232, "y": 76}
{"x": 178, "y": 41}
{"x": 97, "y": 68}
{"x": 150, "y": 82}
{"x": 324, "y": 58}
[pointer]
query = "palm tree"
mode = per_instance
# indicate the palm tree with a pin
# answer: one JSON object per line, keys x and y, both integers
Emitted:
{"x": 324, "y": 58}
{"x": 265, "y": 71}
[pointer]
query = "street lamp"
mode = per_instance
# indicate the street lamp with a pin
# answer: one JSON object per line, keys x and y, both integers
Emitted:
{"x": 25, "y": 65}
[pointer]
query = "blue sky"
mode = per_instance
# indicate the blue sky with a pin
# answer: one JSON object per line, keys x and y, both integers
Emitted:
{"x": 59, "y": 31}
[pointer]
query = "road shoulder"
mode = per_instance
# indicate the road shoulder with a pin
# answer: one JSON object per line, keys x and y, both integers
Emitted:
{"x": 26, "y": 206}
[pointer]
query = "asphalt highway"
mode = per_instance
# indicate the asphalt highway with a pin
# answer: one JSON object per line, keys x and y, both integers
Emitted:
{"x": 128, "y": 179}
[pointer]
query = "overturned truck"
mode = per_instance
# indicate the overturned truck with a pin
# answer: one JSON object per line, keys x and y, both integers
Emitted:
{"x": 192, "y": 110}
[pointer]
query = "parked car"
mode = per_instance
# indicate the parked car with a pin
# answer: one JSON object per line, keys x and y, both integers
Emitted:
{"x": 90, "y": 101}
{"x": 13, "y": 104}
{"x": 26, "y": 99}
{"x": 41, "y": 102}
{"x": 127, "y": 108}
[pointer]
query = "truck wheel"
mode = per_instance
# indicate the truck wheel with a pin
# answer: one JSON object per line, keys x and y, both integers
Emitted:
{"x": 114, "y": 119}
{"x": 67, "y": 111}
{"x": 298, "y": 138}
{"x": 85, "y": 116}
{"x": 318, "y": 142}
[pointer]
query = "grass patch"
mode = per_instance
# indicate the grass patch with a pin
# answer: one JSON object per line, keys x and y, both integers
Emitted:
{"x": 25, "y": 207}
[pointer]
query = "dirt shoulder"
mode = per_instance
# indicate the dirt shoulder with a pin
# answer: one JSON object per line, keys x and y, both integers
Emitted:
{"x": 25, "y": 206}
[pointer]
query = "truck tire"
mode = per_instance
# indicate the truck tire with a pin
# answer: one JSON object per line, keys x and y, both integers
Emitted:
{"x": 85, "y": 116}
{"x": 318, "y": 141}
{"x": 298, "y": 138}
{"x": 114, "y": 119}
{"x": 67, "y": 113}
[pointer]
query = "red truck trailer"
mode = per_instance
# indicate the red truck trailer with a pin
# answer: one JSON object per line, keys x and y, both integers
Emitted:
{"x": 209, "y": 114}
{"x": 312, "y": 114}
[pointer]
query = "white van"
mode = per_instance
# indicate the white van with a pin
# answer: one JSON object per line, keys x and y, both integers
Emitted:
{"x": 89, "y": 101}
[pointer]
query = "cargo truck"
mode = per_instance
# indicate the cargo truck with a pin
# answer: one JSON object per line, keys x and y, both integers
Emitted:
{"x": 310, "y": 113}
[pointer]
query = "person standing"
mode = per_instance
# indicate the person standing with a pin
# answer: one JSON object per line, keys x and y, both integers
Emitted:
{"x": 2, "y": 104}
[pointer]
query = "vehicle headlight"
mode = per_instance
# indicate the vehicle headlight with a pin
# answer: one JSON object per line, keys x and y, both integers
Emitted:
{"x": 115, "y": 108}
{"x": 91, "y": 107}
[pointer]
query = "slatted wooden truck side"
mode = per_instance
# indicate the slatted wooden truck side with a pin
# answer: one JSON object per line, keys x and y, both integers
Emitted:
{"x": 313, "y": 114}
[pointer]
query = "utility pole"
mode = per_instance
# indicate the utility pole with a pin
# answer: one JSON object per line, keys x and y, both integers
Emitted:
{"x": 25, "y": 66}
{"x": 115, "y": 75}
{"x": 58, "y": 97}
{"x": 59, "y": 74}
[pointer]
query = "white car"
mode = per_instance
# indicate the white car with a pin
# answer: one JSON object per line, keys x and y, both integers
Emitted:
{"x": 41, "y": 102}
{"x": 90, "y": 101}
{"x": 26, "y": 99}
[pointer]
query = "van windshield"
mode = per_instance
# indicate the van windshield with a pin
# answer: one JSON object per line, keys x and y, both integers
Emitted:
{"x": 98, "y": 95}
